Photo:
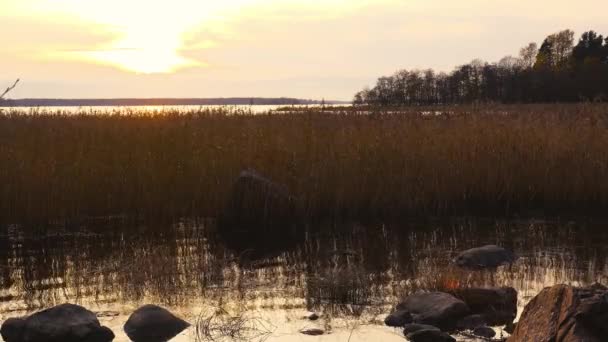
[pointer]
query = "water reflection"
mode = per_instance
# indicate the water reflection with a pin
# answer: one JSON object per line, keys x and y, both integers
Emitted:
{"x": 338, "y": 270}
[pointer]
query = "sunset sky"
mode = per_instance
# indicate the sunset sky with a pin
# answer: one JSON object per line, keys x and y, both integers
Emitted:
{"x": 296, "y": 48}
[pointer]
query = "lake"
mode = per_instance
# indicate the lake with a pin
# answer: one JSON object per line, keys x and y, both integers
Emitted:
{"x": 350, "y": 274}
{"x": 255, "y": 109}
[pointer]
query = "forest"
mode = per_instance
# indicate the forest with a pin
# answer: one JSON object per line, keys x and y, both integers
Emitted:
{"x": 561, "y": 70}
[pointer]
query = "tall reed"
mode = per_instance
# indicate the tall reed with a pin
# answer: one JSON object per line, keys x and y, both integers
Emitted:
{"x": 341, "y": 163}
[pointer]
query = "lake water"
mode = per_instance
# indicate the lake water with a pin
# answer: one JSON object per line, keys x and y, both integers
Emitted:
{"x": 351, "y": 274}
{"x": 255, "y": 109}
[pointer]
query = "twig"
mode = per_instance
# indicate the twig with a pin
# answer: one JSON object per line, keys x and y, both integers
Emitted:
{"x": 9, "y": 89}
{"x": 222, "y": 326}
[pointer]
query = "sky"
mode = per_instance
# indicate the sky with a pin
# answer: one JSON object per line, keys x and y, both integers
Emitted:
{"x": 260, "y": 48}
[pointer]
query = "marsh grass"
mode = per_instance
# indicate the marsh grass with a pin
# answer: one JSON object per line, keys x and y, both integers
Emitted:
{"x": 220, "y": 325}
{"x": 345, "y": 163}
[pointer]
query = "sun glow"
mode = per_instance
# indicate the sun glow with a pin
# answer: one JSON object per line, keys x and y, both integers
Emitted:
{"x": 145, "y": 49}
{"x": 150, "y": 35}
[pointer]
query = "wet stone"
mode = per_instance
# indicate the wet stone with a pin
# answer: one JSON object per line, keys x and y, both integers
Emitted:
{"x": 435, "y": 308}
{"x": 489, "y": 256}
{"x": 62, "y": 323}
{"x": 311, "y": 316}
{"x": 498, "y": 305}
{"x": 471, "y": 322}
{"x": 398, "y": 319}
{"x": 312, "y": 331}
{"x": 486, "y": 332}
{"x": 413, "y": 327}
{"x": 510, "y": 327}
{"x": 151, "y": 323}
{"x": 430, "y": 335}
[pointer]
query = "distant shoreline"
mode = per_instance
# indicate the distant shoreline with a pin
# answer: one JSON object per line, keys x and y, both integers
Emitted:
{"x": 232, "y": 101}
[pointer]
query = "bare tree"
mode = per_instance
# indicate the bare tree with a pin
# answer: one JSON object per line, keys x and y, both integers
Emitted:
{"x": 9, "y": 89}
{"x": 528, "y": 54}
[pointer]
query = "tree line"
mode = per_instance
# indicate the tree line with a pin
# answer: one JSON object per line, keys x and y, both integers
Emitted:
{"x": 557, "y": 71}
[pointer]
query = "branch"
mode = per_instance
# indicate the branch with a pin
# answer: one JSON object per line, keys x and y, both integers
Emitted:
{"x": 9, "y": 89}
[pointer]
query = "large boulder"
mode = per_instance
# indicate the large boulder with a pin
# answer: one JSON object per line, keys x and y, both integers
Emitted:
{"x": 490, "y": 256}
{"x": 435, "y": 308}
{"x": 62, "y": 323}
{"x": 258, "y": 214}
{"x": 562, "y": 314}
{"x": 151, "y": 323}
{"x": 498, "y": 305}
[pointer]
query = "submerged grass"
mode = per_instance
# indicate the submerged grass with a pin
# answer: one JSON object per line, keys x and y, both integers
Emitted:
{"x": 341, "y": 163}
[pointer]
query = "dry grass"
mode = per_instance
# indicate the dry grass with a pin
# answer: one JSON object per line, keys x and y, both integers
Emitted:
{"x": 547, "y": 159}
{"x": 220, "y": 325}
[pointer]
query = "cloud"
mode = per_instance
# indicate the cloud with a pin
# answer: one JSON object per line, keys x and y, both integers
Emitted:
{"x": 36, "y": 37}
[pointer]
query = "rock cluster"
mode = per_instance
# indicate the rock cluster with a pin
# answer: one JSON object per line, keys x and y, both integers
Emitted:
{"x": 73, "y": 323}
{"x": 430, "y": 316}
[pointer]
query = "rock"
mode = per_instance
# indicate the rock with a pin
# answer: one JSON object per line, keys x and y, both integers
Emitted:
{"x": 435, "y": 308}
{"x": 490, "y": 256}
{"x": 12, "y": 329}
{"x": 258, "y": 213}
{"x": 312, "y": 331}
{"x": 398, "y": 319}
{"x": 497, "y": 305}
{"x": 593, "y": 313}
{"x": 62, "y": 323}
{"x": 484, "y": 331}
{"x": 151, "y": 323}
{"x": 556, "y": 315}
{"x": 510, "y": 327}
{"x": 471, "y": 322}
{"x": 312, "y": 316}
{"x": 413, "y": 327}
{"x": 430, "y": 335}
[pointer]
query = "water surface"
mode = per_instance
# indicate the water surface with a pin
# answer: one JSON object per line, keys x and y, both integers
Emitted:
{"x": 254, "y": 109}
{"x": 351, "y": 274}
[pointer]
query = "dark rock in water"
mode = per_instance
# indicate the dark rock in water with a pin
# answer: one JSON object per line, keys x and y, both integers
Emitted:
{"x": 258, "y": 214}
{"x": 560, "y": 313}
{"x": 12, "y": 329}
{"x": 151, "y": 323}
{"x": 497, "y": 305}
{"x": 593, "y": 313}
{"x": 510, "y": 327}
{"x": 312, "y": 316}
{"x": 484, "y": 331}
{"x": 471, "y": 322}
{"x": 413, "y": 327}
{"x": 435, "y": 308}
{"x": 312, "y": 331}
{"x": 430, "y": 335}
{"x": 62, "y": 323}
{"x": 490, "y": 256}
{"x": 398, "y": 319}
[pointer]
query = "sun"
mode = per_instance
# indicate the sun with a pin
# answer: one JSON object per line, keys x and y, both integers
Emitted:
{"x": 145, "y": 49}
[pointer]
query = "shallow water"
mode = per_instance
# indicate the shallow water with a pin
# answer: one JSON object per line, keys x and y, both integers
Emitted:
{"x": 351, "y": 274}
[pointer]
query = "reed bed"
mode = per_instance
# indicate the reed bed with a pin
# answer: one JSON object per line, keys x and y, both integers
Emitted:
{"x": 339, "y": 163}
